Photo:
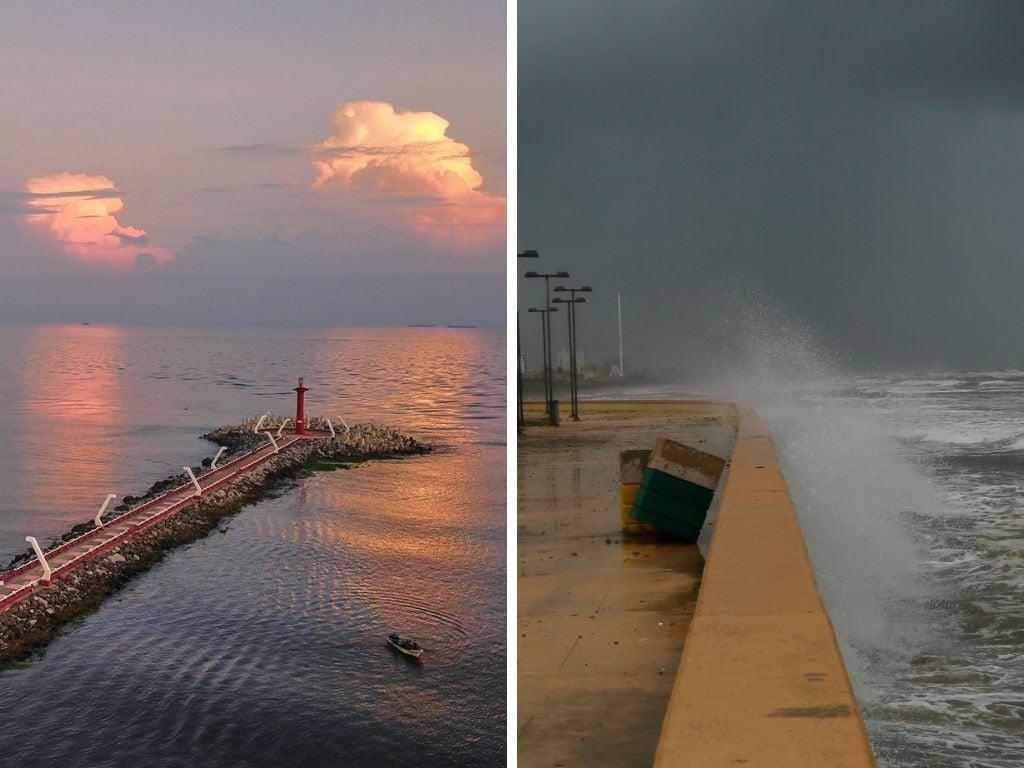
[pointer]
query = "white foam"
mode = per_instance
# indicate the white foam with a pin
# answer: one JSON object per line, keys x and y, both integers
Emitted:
{"x": 959, "y": 435}
{"x": 922, "y": 578}
{"x": 848, "y": 477}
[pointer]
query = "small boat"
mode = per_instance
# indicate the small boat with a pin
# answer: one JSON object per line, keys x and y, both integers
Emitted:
{"x": 405, "y": 645}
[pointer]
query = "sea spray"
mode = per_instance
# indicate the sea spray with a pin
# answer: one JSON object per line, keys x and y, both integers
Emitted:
{"x": 875, "y": 517}
{"x": 852, "y": 487}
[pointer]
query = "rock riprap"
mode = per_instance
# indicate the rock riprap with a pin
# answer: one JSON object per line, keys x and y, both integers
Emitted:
{"x": 31, "y": 623}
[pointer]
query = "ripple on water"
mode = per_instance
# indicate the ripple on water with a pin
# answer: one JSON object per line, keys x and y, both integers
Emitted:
{"x": 264, "y": 642}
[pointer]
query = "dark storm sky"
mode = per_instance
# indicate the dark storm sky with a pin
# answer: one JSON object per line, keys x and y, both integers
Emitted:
{"x": 859, "y": 164}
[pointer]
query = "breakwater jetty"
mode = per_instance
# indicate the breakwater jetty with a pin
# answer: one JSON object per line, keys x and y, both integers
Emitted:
{"x": 636, "y": 649}
{"x": 47, "y": 586}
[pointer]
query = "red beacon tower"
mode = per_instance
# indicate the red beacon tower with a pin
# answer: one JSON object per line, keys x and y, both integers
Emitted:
{"x": 300, "y": 408}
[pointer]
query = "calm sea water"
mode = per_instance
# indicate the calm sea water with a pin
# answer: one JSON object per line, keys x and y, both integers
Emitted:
{"x": 263, "y": 644}
{"x": 910, "y": 493}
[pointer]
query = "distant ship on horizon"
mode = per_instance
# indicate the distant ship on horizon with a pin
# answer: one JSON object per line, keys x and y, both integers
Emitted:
{"x": 434, "y": 325}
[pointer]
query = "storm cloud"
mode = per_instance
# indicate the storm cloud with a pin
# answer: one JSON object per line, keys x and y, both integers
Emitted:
{"x": 860, "y": 165}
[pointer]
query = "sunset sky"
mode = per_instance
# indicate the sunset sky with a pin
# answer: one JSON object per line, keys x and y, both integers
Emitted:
{"x": 190, "y": 164}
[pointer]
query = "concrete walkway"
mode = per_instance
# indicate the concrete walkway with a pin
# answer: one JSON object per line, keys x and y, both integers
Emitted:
{"x": 25, "y": 579}
{"x": 762, "y": 681}
{"x": 602, "y": 620}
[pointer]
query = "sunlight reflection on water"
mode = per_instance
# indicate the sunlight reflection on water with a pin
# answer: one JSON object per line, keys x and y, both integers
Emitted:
{"x": 264, "y": 644}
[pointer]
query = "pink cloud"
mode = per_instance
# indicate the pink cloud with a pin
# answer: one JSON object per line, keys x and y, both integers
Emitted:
{"x": 376, "y": 149}
{"x": 77, "y": 211}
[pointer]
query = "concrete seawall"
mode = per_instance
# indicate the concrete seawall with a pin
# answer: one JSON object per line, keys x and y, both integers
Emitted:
{"x": 762, "y": 681}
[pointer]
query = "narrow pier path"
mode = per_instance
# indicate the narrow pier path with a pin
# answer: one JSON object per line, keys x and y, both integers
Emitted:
{"x": 20, "y": 582}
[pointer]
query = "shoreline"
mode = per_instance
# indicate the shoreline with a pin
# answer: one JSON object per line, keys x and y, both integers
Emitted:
{"x": 28, "y": 625}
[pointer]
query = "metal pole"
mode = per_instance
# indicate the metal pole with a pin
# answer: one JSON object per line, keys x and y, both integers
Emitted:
{"x": 549, "y": 368}
{"x": 572, "y": 407}
{"x": 544, "y": 360}
{"x": 574, "y": 371}
{"x": 519, "y": 375}
{"x": 544, "y": 344}
{"x": 551, "y": 371}
{"x": 574, "y": 381}
{"x": 622, "y": 367}
{"x": 549, "y": 379}
{"x": 527, "y": 254}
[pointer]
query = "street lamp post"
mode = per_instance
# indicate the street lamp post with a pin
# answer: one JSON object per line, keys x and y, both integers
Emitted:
{"x": 549, "y": 384}
{"x": 545, "y": 315}
{"x": 519, "y": 352}
{"x": 573, "y": 398}
{"x": 573, "y": 374}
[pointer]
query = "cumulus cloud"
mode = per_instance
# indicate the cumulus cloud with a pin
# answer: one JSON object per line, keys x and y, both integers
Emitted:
{"x": 77, "y": 211}
{"x": 376, "y": 149}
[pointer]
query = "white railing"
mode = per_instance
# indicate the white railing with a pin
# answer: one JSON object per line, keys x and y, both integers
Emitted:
{"x": 70, "y": 543}
{"x": 98, "y": 520}
{"x": 273, "y": 442}
{"x": 42, "y": 558}
{"x": 192, "y": 477}
{"x": 213, "y": 464}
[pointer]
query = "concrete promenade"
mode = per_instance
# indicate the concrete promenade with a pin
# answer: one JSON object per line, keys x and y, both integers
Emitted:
{"x": 628, "y": 654}
{"x": 762, "y": 680}
{"x": 601, "y": 620}
{"x": 22, "y": 581}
